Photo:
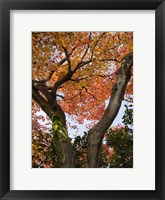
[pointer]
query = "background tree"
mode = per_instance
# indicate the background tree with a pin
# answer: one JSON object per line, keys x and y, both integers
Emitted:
{"x": 75, "y": 73}
{"x": 118, "y": 144}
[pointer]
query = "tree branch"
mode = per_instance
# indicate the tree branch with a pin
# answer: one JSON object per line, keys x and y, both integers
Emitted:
{"x": 60, "y": 82}
{"x": 52, "y": 71}
{"x": 89, "y": 92}
{"x": 109, "y": 60}
{"x": 78, "y": 79}
{"x": 105, "y": 76}
{"x": 75, "y": 96}
{"x": 87, "y": 47}
{"x": 79, "y": 65}
{"x": 40, "y": 100}
{"x": 96, "y": 44}
{"x": 67, "y": 76}
{"x": 67, "y": 58}
{"x": 96, "y": 134}
{"x": 58, "y": 95}
{"x": 42, "y": 88}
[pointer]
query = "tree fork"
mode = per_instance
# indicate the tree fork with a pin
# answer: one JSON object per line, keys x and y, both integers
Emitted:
{"x": 96, "y": 134}
{"x": 62, "y": 144}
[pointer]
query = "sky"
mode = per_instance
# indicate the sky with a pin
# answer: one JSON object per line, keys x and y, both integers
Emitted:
{"x": 81, "y": 128}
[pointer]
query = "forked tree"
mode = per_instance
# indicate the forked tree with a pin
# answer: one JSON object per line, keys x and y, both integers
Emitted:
{"x": 75, "y": 73}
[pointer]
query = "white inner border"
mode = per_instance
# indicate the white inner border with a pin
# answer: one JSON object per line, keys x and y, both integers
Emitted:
{"x": 142, "y": 176}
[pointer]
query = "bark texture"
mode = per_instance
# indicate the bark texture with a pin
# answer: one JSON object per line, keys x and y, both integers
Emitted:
{"x": 96, "y": 134}
{"x": 61, "y": 143}
{"x": 46, "y": 98}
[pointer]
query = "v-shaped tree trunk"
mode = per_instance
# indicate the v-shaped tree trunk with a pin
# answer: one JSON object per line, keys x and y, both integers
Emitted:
{"x": 49, "y": 104}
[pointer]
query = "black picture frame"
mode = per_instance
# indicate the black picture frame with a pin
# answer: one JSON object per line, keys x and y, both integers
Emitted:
{"x": 5, "y": 7}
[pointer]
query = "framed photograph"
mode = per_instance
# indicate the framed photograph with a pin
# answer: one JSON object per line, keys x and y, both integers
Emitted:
{"x": 82, "y": 92}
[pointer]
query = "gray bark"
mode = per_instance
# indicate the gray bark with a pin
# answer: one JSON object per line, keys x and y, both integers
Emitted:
{"x": 63, "y": 146}
{"x": 96, "y": 134}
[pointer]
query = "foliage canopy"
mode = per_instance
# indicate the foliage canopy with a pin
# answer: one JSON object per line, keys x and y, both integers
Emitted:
{"x": 76, "y": 72}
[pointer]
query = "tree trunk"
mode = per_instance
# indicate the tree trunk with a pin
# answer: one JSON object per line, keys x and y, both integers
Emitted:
{"x": 61, "y": 140}
{"x": 62, "y": 143}
{"x": 96, "y": 134}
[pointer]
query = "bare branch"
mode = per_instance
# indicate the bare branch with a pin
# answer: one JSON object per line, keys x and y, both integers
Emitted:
{"x": 79, "y": 65}
{"x": 96, "y": 44}
{"x": 52, "y": 71}
{"x": 42, "y": 88}
{"x": 68, "y": 76}
{"x": 67, "y": 58}
{"x": 40, "y": 100}
{"x": 58, "y": 95}
{"x": 87, "y": 47}
{"x": 89, "y": 92}
{"x": 109, "y": 60}
{"x": 74, "y": 96}
{"x": 78, "y": 79}
{"x": 60, "y": 82}
{"x": 105, "y": 76}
